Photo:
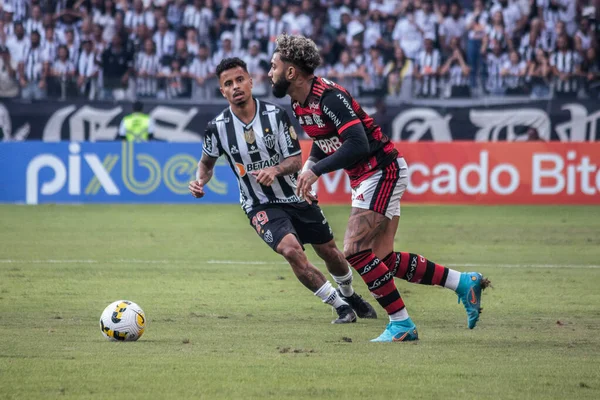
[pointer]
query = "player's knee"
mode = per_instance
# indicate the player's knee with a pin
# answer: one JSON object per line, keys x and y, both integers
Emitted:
{"x": 351, "y": 248}
{"x": 291, "y": 250}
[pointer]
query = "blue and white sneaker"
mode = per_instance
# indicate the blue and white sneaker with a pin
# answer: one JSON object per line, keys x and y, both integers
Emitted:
{"x": 398, "y": 331}
{"x": 469, "y": 290}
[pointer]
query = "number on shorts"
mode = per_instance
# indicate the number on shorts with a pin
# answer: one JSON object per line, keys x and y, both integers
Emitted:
{"x": 259, "y": 220}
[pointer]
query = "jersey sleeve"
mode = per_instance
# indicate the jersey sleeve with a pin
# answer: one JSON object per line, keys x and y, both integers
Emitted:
{"x": 287, "y": 137}
{"x": 337, "y": 108}
{"x": 210, "y": 145}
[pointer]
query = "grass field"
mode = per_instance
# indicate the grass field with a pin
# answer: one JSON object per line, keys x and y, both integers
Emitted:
{"x": 221, "y": 327}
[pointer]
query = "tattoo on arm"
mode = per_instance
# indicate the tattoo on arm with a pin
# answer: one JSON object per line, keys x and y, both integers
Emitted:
{"x": 289, "y": 165}
{"x": 206, "y": 168}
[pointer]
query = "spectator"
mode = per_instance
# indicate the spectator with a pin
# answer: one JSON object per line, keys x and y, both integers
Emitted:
{"x": 32, "y": 76}
{"x": 98, "y": 42}
{"x": 585, "y": 38}
{"x": 514, "y": 71}
{"x": 174, "y": 11}
{"x": 398, "y": 74}
{"x": 87, "y": 71}
{"x": 538, "y": 74}
{"x": 8, "y": 85}
{"x": 192, "y": 44}
{"x": 334, "y": 14}
{"x": 164, "y": 39}
{"x": 590, "y": 68}
{"x": 549, "y": 10}
{"x": 428, "y": 68}
{"x": 243, "y": 32}
{"x": 514, "y": 20}
{"x": 225, "y": 17}
{"x": 258, "y": 65}
{"x": 426, "y": 19}
{"x": 62, "y": 71}
{"x": 373, "y": 29}
{"x": 275, "y": 27}
{"x": 116, "y": 64}
{"x": 299, "y": 23}
{"x": 72, "y": 46}
{"x": 199, "y": 17}
{"x": 226, "y": 50}
{"x": 454, "y": 26}
{"x": 106, "y": 20}
{"x": 387, "y": 35}
{"x": 174, "y": 76}
{"x": 457, "y": 72}
{"x": 17, "y": 43}
{"x": 50, "y": 45}
{"x": 357, "y": 54}
{"x": 8, "y": 25}
{"x": 35, "y": 22}
{"x": 147, "y": 67}
{"x": 137, "y": 16}
{"x": 496, "y": 33}
{"x": 345, "y": 72}
{"x": 565, "y": 65}
{"x": 373, "y": 76}
{"x": 202, "y": 72}
{"x": 494, "y": 62}
{"x": 408, "y": 35}
{"x": 477, "y": 29}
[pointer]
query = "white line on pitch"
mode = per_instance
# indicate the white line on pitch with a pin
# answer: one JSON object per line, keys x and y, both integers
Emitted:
{"x": 240, "y": 262}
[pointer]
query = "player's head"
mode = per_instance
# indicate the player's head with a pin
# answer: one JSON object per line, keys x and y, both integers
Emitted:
{"x": 295, "y": 57}
{"x": 235, "y": 82}
{"x": 138, "y": 106}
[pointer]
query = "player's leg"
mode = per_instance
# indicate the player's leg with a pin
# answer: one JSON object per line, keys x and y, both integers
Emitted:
{"x": 312, "y": 227}
{"x": 365, "y": 229}
{"x": 275, "y": 227}
{"x": 415, "y": 268}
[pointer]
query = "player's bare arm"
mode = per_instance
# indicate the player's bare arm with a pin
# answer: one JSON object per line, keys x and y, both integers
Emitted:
{"x": 206, "y": 167}
{"x": 288, "y": 166}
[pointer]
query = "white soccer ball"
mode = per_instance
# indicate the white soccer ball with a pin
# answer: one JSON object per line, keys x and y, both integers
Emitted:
{"x": 123, "y": 320}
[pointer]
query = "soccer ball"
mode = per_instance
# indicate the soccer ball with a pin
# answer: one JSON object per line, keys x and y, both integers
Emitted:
{"x": 123, "y": 321}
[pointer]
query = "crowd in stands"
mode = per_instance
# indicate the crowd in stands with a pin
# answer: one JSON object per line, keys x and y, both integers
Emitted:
{"x": 167, "y": 49}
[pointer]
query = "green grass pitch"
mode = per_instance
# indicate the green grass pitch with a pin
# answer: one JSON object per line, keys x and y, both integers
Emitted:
{"x": 220, "y": 327}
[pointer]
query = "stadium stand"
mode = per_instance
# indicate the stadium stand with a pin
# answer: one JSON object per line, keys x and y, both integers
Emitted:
{"x": 168, "y": 49}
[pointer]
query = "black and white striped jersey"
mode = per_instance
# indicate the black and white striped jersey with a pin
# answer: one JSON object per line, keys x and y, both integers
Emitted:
{"x": 264, "y": 142}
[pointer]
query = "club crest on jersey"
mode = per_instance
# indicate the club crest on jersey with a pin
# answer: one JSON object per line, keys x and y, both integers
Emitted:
{"x": 249, "y": 135}
{"x": 269, "y": 140}
{"x": 313, "y": 105}
{"x": 318, "y": 120}
{"x": 268, "y": 236}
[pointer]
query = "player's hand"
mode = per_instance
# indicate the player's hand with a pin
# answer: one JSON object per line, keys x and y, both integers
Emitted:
{"x": 197, "y": 189}
{"x": 265, "y": 176}
{"x": 305, "y": 182}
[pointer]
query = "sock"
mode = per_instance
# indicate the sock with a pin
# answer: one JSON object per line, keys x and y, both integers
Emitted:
{"x": 330, "y": 296}
{"x": 399, "y": 315}
{"x": 417, "y": 269}
{"x": 345, "y": 284}
{"x": 379, "y": 280}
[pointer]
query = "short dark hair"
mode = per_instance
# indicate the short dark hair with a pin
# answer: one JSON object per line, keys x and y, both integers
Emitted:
{"x": 230, "y": 63}
{"x": 138, "y": 106}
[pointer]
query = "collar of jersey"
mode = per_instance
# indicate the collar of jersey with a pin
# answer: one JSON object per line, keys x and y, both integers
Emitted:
{"x": 253, "y": 119}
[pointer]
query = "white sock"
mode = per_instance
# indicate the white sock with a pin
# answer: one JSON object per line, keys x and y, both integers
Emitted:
{"x": 452, "y": 279}
{"x": 345, "y": 283}
{"x": 399, "y": 315}
{"x": 330, "y": 296}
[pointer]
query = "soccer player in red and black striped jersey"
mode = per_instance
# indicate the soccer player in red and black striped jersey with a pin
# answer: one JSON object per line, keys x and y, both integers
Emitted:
{"x": 346, "y": 137}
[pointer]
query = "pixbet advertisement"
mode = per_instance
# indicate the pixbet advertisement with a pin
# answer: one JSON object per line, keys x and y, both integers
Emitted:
{"x": 446, "y": 173}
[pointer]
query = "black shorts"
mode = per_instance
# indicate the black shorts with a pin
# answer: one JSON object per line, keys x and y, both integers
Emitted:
{"x": 306, "y": 221}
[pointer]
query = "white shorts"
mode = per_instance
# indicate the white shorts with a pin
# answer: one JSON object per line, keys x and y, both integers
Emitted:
{"x": 382, "y": 191}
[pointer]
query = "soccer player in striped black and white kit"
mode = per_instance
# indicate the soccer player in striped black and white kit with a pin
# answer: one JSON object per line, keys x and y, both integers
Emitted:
{"x": 261, "y": 146}
{"x": 346, "y": 137}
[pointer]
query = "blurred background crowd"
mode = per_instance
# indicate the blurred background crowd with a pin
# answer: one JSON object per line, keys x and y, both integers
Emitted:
{"x": 168, "y": 49}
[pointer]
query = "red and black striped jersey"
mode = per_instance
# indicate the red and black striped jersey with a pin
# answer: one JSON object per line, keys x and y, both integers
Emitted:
{"x": 328, "y": 111}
